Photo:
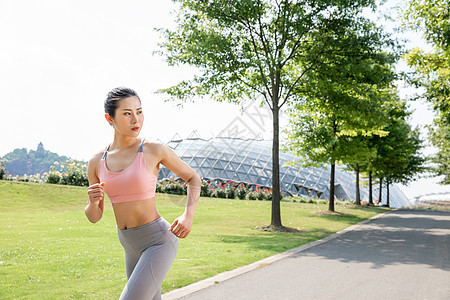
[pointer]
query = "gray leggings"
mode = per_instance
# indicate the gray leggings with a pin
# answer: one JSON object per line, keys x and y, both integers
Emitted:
{"x": 150, "y": 250}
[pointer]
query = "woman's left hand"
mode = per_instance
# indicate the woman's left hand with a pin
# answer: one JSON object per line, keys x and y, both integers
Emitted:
{"x": 182, "y": 226}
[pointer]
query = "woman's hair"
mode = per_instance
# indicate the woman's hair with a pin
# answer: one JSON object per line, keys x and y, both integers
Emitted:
{"x": 114, "y": 96}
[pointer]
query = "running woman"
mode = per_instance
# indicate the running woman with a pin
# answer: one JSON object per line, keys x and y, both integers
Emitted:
{"x": 127, "y": 172}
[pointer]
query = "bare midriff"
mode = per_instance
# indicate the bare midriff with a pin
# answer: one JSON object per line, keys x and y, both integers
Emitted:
{"x": 135, "y": 213}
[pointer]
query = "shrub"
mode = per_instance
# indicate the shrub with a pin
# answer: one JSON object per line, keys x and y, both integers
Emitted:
{"x": 2, "y": 168}
{"x": 53, "y": 177}
{"x": 76, "y": 173}
{"x": 252, "y": 196}
{"x": 219, "y": 193}
{"x": 72, "y": 172}
{"x": 173, "y": 187}
{"x": 230, "y": 191}
{"x": 159, "y": 187}
{"x": 206, "y": 189}
{"x": 241, "y": 192}
{"x": 260, "y": 195}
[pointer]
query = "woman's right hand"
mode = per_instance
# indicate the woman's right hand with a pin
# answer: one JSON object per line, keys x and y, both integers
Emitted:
{"x": 96, "y": 193}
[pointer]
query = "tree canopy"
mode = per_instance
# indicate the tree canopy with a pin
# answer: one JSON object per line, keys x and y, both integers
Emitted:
{"x": 252, "y": 47}
{"x": 432, "y": 71}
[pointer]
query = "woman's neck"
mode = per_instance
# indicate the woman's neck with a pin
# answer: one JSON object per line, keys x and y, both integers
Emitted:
{"x": 121, "y": 142}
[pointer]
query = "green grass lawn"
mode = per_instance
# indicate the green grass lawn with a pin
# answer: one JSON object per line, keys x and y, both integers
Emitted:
{"x": 49, "y": 250}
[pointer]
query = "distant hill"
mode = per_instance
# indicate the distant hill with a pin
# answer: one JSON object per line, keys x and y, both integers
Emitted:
{"x": 21, "y": 161}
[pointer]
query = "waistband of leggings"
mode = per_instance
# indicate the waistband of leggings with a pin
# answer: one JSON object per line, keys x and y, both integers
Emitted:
{"x": 153, "y": 223}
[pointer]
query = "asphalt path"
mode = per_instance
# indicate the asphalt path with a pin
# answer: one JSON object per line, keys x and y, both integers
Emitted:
{"x": 403, "y": 255}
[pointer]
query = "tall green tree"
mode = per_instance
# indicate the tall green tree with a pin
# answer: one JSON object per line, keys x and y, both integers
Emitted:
{"x": 398, "y": 158}
{"x": 256, "y": 47}
{"x": 432, "y": 71}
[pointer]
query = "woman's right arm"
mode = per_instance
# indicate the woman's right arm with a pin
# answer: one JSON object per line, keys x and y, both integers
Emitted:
{"x": 94, "y": 208}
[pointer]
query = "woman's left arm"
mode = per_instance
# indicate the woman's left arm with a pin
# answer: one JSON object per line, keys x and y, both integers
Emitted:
{"x": 182, "y": 226}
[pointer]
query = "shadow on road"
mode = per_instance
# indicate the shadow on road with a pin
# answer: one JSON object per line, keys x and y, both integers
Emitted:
{"x": 401, "y": 237}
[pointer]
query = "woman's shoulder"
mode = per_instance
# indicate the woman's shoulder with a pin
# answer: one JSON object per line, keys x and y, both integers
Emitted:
{"x": 155, "y": 148}
{"x": 93, "y": 165}
{"x": 97, "y": 157}
{"x": 150, "y": 145}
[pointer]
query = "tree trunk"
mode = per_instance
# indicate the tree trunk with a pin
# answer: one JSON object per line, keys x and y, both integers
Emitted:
{"x": 370, "y": 188}
{"x": 333, "y": 168}
{"x": 380, "y": 192}
{"x": 331, "y": 198}
{"x": 387, "y": 194}
{"x": 358, "y": 195}
{"x": 276, "y": 193}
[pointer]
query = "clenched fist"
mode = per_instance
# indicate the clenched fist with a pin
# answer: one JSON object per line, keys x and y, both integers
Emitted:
{"x": 96, "y": 193}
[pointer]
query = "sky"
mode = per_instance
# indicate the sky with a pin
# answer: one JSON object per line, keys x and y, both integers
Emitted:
{"x": 59, "y": 59}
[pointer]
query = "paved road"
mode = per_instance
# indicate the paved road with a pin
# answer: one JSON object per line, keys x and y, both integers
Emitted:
{"x": 403, "y": 255}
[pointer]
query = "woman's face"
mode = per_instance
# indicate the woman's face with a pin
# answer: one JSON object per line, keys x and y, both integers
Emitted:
{"x": 129, "y": 117}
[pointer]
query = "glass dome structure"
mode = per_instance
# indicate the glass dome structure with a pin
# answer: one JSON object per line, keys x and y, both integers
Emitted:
{"x": 250, "y": 161}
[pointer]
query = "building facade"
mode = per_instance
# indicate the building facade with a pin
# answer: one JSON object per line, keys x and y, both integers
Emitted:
{"x": 249, "y": 160}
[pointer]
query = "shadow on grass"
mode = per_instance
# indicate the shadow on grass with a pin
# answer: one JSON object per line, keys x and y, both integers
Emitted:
{"x": 344, "y": 219}
{"x": 348, "y": 217}
{"x": 276, "y": 242}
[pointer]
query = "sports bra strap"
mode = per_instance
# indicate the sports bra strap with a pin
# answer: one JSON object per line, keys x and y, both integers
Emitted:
{"x": 141, "y": 147}
{"x": 106, "y": 151}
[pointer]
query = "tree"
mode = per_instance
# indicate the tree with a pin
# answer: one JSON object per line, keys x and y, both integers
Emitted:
{"x": 397, "y": 157}
{"x": 326, "y": 132}
{"x": 2, "y": 168}
{"x": 357, "y": 160}
{"x": 255, "y": 47}
{"x": 432, "y": 71}
{"x": 403, "y": 167}
{"x": 344, "y": 102}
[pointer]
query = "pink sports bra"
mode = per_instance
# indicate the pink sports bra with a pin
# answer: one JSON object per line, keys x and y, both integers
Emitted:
{"x": 136, "y": 182}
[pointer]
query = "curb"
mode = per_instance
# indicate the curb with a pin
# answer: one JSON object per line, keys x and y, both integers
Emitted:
{"x": 197, "y": 286}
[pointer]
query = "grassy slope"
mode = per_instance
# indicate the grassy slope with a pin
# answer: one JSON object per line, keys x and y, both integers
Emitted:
{"x": 48, "y": 249}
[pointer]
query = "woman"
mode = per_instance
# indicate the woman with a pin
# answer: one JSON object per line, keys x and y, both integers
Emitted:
{"x": 127, "y": 172}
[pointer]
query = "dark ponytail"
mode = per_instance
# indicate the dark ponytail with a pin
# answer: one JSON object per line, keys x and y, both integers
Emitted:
{"x": 113, "y": 99}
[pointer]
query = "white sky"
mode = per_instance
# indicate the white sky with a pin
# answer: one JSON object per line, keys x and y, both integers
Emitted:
{"x": 59, "y": 58}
